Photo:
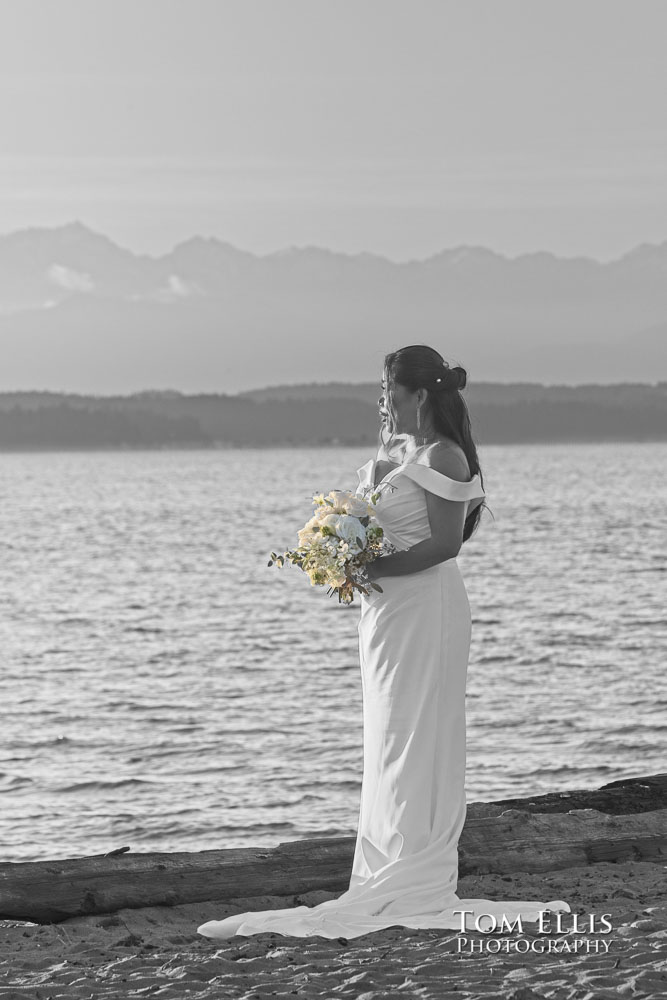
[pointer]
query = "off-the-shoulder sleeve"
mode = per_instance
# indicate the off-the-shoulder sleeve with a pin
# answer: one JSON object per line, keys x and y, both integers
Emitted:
{"x": 435, "y": 482}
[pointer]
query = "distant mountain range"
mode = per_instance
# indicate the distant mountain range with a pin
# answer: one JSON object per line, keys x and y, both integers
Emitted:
{"x": 322, "y": 414}
{"x": 80, "y": 314}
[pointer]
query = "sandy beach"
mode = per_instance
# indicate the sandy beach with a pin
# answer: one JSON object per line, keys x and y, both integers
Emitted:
{"x": 156, "y": 952}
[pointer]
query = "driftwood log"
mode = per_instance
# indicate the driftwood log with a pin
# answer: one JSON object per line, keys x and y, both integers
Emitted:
{"x": 626, "y": 795}
{"x": 622, "y": 820}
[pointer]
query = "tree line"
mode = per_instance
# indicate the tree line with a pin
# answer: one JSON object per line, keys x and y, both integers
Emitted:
{"x": 500, "y": 415}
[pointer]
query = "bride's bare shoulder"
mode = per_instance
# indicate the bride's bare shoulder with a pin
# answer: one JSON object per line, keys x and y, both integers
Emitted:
{"x": 448, "y": 458}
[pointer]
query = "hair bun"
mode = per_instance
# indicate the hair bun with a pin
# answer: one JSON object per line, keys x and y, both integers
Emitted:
{"x": 460, "y": 376}
{"x": 450, "y": 378}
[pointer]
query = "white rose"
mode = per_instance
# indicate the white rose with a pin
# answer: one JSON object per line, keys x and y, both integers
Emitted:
{"x": 340, "y": 499}
{"x": 357, "y": 507}
{"x": 350, "y": 528}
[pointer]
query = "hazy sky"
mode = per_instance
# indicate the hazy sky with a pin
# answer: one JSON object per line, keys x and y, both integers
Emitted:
{"x": 395, "y": 126}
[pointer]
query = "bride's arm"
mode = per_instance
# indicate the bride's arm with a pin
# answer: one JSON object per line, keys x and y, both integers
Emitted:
{"x": 447, "y": 519}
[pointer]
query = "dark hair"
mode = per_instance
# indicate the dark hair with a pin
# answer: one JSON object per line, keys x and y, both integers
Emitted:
{"x": 419, "y": 366}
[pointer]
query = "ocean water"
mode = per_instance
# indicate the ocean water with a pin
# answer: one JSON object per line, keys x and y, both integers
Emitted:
{"x": 163, "y": 688}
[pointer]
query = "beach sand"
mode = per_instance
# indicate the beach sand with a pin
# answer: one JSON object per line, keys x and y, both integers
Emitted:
{"x": 156, "y": 952}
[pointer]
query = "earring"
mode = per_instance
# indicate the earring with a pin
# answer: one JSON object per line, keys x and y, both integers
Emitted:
{"x": 419, "y": 410}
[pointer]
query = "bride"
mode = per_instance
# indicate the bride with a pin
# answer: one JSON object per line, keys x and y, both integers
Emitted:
{"x": 414, "y": 642}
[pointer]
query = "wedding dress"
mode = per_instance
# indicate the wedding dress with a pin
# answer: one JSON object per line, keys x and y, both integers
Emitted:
{"x": 414, "y": 642}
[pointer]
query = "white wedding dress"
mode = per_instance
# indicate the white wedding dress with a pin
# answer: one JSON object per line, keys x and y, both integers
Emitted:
{"x": 414, "y": 642}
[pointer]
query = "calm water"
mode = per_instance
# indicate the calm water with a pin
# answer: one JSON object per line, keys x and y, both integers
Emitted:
{"x": 163, "y": 688}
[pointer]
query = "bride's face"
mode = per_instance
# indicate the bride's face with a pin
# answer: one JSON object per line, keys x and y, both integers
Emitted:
{"x": 398, "y": 407}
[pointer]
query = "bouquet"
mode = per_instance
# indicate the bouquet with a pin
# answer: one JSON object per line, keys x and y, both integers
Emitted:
{"x": 341, "y": 537}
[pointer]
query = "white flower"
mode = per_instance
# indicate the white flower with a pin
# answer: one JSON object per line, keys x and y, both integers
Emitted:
{"x": 330, "y": 521}
{"x": 350, "y": 528}
{"x": 307, "y": 534}
{"x": 339, "y": 498}
{"x": 357, "y": 507}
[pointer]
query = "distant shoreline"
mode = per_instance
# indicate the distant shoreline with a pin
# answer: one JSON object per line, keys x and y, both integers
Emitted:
{"x": 322, "y": 416}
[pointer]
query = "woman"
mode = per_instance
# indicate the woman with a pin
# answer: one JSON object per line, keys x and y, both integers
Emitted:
{"x": 414, "y": 642}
